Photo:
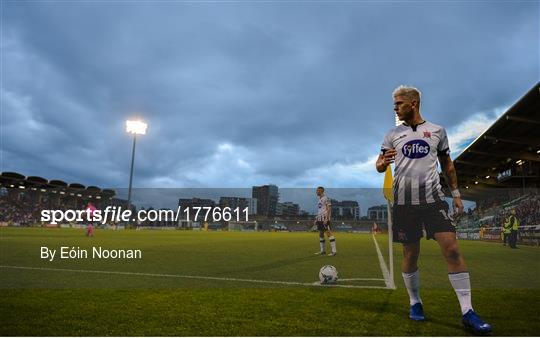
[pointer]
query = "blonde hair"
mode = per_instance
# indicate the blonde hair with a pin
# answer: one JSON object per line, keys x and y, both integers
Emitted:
{"x": 409, "y": 92}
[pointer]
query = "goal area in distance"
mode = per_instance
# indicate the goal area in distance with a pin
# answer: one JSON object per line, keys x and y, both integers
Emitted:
{"x": 243, "y": 226}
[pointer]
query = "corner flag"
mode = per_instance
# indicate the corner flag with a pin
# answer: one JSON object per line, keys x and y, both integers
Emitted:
{"x": 387, "y": 187}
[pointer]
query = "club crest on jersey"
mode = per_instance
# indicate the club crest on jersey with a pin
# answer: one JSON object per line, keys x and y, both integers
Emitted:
{"x": 427, "y": 134}
{"x": 415, "y": 149}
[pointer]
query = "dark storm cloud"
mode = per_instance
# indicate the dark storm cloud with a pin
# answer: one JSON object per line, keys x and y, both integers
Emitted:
{"x": 238, "y": 94}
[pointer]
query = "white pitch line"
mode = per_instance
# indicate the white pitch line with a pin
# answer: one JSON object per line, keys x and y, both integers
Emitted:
{"x": 384, "y": 269}
{"x": 353, "y": 279}
{"x": 228, "y": 279}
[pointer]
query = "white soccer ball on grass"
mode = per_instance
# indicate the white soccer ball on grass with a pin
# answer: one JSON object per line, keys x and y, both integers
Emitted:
{"x": 328, "y": 275}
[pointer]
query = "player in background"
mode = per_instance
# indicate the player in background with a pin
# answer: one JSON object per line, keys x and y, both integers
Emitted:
{"x": 415, "y": 146}
{"x": 90, "y": 209}
{"x": 322, "y": 221}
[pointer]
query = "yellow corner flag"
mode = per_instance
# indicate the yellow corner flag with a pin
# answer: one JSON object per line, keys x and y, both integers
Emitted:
{"x": 387, "y": 187}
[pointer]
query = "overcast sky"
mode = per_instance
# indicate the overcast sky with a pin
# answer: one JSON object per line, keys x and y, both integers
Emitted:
{"x": 236, "y": 94}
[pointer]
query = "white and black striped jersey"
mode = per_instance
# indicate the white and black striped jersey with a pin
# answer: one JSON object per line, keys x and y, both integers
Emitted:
{"x": 322, "y": 208}
{"x": 416, "y": 179}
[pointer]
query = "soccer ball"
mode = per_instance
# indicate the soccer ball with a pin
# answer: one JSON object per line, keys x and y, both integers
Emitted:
{"x": 328, "y": 275}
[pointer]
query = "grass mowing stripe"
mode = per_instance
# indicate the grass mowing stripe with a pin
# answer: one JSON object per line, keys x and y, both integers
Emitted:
{"x": 229, "y": 279}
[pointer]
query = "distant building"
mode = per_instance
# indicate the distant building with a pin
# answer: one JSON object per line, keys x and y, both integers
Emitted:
{"x": 190, "y": 203}
{"x": 287, "y": 209}
{"x": 267, "y": 199}
{"x": 378, "y": 213}
{"x": 239, "y": 202}
{"x": 345, "y": 210}
{"x": 252, "y": 206}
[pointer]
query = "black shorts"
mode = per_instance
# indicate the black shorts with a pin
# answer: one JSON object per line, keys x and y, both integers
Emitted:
{"x": 408, "y": 221}
{"x": 322, "y": 227}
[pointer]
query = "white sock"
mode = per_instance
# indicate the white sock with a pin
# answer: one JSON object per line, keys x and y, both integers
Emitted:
{"x": 412, "y": 283}
{"x": 461, "y": 283}
{"x": 332, "y": 243}
{"x": 321, "y": 242}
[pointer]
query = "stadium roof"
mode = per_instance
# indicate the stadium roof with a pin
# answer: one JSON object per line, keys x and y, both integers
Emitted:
{"x": 12, "y": 180}
{"x": 507, "y": 154}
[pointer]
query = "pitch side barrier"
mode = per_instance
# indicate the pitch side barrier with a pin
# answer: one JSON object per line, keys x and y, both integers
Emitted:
{"x": 527, "y": 235}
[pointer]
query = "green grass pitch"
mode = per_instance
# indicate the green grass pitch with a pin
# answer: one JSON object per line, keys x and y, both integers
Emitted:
{"x": 239, "y": 283}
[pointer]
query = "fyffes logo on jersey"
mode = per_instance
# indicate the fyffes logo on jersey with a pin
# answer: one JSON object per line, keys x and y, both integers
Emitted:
{"x": 416, "y": 149}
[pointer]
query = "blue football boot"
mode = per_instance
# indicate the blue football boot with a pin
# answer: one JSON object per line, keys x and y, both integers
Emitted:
{"x": 472, "y": 321}
{"x": 417, "y": 312}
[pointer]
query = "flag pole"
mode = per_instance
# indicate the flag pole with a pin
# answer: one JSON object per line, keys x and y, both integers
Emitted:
{"x": 390, "y": 245}
{"x": 387, "y": 191}
{"x": 389, "y": 196}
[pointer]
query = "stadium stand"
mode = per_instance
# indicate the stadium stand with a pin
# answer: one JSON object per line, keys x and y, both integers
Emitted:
{"x": 500, "y": 171}
{"x": 22, "y": 198}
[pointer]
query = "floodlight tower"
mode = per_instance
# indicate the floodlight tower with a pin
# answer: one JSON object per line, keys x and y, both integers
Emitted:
{"x": 135, "y": 127}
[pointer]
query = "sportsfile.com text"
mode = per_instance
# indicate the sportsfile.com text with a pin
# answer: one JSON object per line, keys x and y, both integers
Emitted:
{"x": 119, "y": 214}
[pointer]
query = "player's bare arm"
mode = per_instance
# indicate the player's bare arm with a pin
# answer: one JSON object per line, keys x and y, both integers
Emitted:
{"x": 385, "y": 160}
{"x": 447, "y": 166}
